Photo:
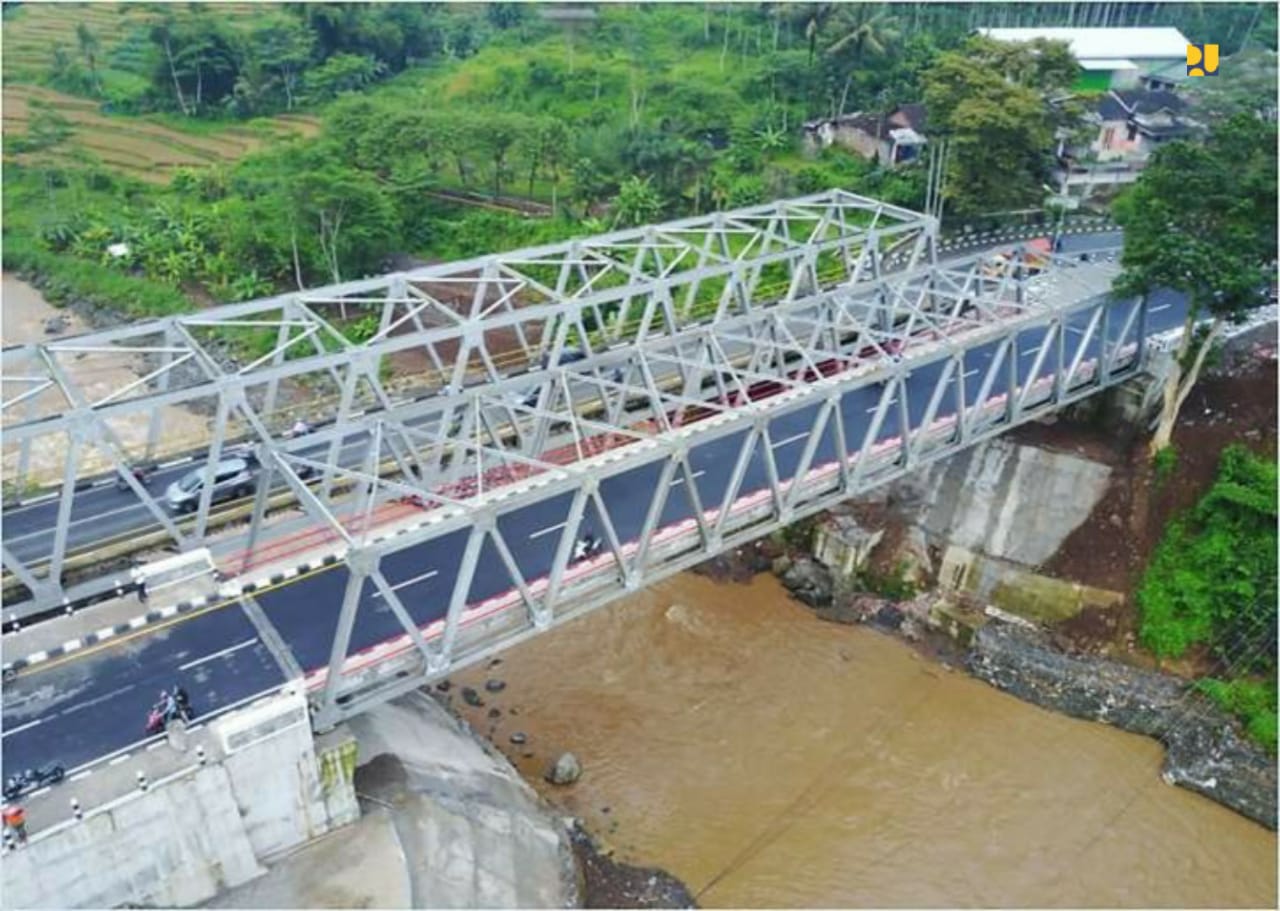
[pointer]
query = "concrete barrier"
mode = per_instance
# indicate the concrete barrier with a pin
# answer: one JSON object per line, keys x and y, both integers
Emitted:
{"x": 262, "y": 786}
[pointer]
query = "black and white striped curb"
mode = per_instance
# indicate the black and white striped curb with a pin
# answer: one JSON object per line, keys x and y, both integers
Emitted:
{"x": 228, "y": 592}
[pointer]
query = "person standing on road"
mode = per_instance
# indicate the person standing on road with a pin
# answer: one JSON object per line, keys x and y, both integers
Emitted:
{"x": 15, "y": 820}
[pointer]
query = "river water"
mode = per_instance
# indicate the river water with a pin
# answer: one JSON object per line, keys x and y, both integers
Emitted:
{"x": 771, "y": 759}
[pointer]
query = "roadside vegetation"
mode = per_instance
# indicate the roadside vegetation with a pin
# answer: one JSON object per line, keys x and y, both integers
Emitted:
{"x": 1211, "y": 585}
{"x": 239, "y": 149}
{"x": 1202, "y": 219}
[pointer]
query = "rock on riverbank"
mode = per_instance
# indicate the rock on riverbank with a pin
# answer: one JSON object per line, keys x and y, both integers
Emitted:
{"x": 1204, "y": 751}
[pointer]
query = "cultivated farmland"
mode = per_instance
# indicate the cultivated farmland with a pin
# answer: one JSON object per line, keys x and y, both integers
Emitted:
{"x": 139, "y": 147}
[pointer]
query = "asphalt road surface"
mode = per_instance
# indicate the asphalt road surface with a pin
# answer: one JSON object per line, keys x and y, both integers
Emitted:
{"x": 82, "y": 706}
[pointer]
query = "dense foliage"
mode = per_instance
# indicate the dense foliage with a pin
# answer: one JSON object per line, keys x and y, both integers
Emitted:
{"x": 1202, "y": 219}
{"x": 1212, "y": 583}
{"x": 623, "y": 115}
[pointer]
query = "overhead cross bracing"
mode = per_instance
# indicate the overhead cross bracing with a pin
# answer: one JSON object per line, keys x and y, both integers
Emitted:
{"x": 789, "y": 409}
{"x": 328, "y": 353}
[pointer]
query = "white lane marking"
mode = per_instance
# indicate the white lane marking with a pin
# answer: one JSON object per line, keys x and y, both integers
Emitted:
{"x": 1031, "y": 351}
{"x": 29, "y": 724}
{"x": 119, "y": 759}
{"x": 408, "y": 582}
{"x": 92, "y": 702}
{"x": 678, "y": 481}
{"x": 548, "y": 530}
{"x": 79, "y": 775}
{"x": 222, "y": 654}
{"x": 155, "y": 746}
{"x": 791, "y": 439}
{"x": 1162, "y": 307}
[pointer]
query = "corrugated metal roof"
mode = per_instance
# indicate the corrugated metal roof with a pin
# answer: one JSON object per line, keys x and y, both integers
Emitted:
{"x": 1108, "y": 64}
{"x": 1104, "y": 43}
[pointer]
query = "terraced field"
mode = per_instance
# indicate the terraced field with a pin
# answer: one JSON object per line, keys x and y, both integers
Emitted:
{"x": 135, "y": 146}
{"x": 31, "y": 30}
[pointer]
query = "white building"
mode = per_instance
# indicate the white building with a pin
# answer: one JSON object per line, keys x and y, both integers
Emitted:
{"x": 1114, "y": 58}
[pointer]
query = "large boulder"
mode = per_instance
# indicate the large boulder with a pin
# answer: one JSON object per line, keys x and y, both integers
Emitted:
{"x": 810, "y": 582}
{"x": 565, "y": 770}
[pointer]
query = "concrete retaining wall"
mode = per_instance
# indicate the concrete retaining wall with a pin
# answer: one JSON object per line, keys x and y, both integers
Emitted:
{"x": 202, "y": 828}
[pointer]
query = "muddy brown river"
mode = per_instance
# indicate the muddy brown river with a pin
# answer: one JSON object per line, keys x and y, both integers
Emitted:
{"x": 770, "y": 759}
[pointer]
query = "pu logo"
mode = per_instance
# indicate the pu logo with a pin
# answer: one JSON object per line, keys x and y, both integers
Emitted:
{"x": 1202, "y": 60}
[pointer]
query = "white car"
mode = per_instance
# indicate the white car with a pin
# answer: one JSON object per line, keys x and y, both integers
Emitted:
{"x": 232, "y": 479}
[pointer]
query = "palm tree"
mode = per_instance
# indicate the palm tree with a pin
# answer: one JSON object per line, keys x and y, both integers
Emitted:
{"x": 865, "y": 29}
{"x": 89, "y": 49}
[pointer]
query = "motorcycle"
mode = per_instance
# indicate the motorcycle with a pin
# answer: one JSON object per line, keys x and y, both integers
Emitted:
{"x": 159, "y": 717}
{"x": 17, "y": 785}
{"x": 587, "y": 549}
{"x": 140, "y": 474}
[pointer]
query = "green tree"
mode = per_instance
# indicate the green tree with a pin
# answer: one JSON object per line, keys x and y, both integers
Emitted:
{"x": 284, "y": 47}
{"x": 88, "y": 43}
{"x": 341, "y": 73}
{"x": 993, "y": 102}
{"x": 863, "y": 29}
{"x": 637, "y": 203}
{"x": 1250, "y": 89}
{"x": 497, "y": 133}
{"x": 1202, "y": 219}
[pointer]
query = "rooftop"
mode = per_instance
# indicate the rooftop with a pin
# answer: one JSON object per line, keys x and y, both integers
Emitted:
{"x": 1094, "y": 44}
{"x": 1089, "y": 64}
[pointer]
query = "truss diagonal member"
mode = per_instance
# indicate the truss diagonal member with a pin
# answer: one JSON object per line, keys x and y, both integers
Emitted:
{"x": 39, "y": 384}
{"x": 23, "y": 574}
{"x": 401, "y": 614}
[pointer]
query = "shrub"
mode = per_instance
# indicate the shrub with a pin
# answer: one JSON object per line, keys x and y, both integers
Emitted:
{"x": 1254, "y": 702}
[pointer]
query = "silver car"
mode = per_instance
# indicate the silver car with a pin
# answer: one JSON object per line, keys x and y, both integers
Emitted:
{"x": 232, "y": 479}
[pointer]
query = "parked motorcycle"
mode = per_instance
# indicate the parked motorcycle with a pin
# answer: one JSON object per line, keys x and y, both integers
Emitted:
{"x": 17, "y": 785}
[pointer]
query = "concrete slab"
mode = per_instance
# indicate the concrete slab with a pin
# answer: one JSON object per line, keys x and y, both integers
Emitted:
{"x": 360, "y": 866}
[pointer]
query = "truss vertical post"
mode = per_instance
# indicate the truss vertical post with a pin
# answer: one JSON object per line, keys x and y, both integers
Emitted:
{"x": 266, "y": 478}
{"x": 342, "y": 635}
{"x": 810, "y": 447}
{"x": 211, "y": 469}
{"x": 657, "y": 505}
{"x": 273, "y": 384}
{"x": 349, "y": 383}
{"x": 565, "y": 548}
{"x": 1104, "y": 358}
{"x": 64, "y": 507}
{"x": 156, "y": 420}
{"x": 461, "y": 589}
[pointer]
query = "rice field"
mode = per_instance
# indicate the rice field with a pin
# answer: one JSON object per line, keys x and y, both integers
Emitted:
{"x": 135, "y": 146}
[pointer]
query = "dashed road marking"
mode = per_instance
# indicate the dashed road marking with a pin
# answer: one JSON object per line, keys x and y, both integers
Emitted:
{"x": 222, "y": 654}
{"x": 29, "y": 724}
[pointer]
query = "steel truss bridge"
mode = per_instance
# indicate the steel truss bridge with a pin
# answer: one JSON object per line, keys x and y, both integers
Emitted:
{"x": 740, "y": 371}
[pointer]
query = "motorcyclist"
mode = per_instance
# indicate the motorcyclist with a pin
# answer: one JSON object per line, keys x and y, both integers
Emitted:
{"x": 167, "y": 706}
{"x": 301, "y": 428}
{"x": 182, "y": 702}
{"x": 588, "y": 545}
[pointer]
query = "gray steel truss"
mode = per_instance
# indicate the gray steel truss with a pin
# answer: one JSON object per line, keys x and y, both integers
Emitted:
{"x": 332, "y": 354}
{"x": 881, "y": 377}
